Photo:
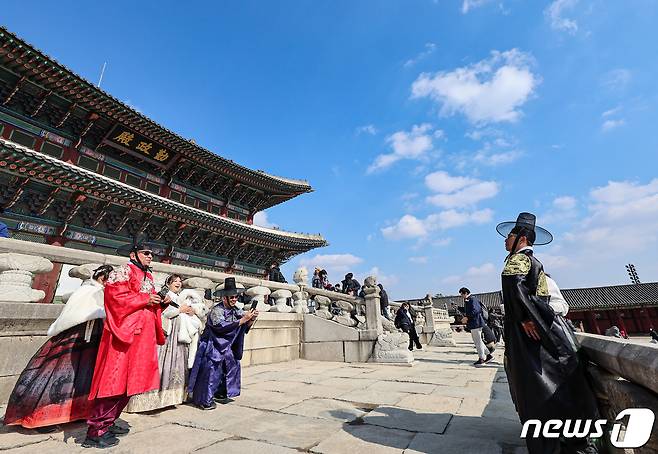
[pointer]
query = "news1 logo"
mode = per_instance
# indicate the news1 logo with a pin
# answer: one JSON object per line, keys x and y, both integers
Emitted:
{"x": 637, "y": 432}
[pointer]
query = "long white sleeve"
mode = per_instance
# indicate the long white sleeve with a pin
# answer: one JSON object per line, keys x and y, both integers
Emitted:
{"x": 557, "y": 302}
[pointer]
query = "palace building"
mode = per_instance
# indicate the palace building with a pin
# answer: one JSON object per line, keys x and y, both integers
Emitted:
{"x": 81, "y": 169}
{"x": 631, "y": 307}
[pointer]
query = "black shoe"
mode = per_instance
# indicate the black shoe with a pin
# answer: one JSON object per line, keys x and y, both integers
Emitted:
{"x": 419, "y": 347}
{"x": 411, "y": 349}
{"x": 221, "y": 399}
{"x": 212, "y": 406}
{"x": 107, "y": 440}
{"x": 488, "y": 358}
{"x": 479, "y": 362}
{"x": 118, "y": 430}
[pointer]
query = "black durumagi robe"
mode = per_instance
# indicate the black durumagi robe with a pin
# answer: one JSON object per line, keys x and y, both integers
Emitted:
{"x": 546, "y": 377}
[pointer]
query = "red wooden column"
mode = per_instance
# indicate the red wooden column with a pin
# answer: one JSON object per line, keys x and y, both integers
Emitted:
{"x": 620, "y": 320}
{"x": 48, "y": 281}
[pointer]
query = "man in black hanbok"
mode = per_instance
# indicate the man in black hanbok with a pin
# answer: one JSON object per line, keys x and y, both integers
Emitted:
{"x": 546, "y": 377}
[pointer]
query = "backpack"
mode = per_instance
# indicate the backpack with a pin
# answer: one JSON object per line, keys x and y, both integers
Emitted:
{"x": 485, "y": 312}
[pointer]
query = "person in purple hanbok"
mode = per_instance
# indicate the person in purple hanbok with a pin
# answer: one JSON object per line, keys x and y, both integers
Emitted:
{"x": 215, "y": 375}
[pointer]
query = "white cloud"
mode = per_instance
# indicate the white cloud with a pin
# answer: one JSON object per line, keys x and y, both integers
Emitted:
{"x": 621, "y": 225}
{"x": 427, "y": 51}
{"x": 414, "y": 144}
{"x": 333, "y": 263}
{"x": 609, "y": 125}
{"x": 367, "y": 129}
{"x": 611, "y": 112}
{"x": 260, "y": 219}
{"x": 419, "y": 260}
{"x": 474, "y": 276}
{"x": 563, "y": 208}
{"x": 565, "y": 203}
{"x": 554, "y": 13}
{"x": 616, "y": 79}
{"x": 466, "y": 197}
{"x": 443, "y": 182}
{"x": 490, "y": 91}
{"x": 489, "y": 158}
{"x": 468, "y": 5}
{"x": 410, "y": 226}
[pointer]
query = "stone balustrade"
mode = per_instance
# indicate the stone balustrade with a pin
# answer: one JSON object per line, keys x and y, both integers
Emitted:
{"x": 624, "y": 375}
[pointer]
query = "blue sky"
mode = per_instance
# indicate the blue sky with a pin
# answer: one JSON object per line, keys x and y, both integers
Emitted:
{"x": 420, "y": 124}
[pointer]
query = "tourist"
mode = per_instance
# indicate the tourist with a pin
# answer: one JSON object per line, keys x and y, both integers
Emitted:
{"x": 181, "y": 324}
{"x": 324, "y": 281}
{"x": 405, "y": 319}
{"x": 496, "y": 324}
{"x": 654, "y": 335}
{"x": 474, "y": 321}
{"x": 337, "y": 288}
{"x": 350, "y": 285}
{"x": 4, "y": 231}
{"x": 316, "y": 282}
{"x": 545, "y": 376}
{"x": 275, "y": 274}
{"x": 216, "y": 372}
{"x": 54, "y": 387}
{"x": 127, "y": 361}
{"x": 613, "y": 331}
{"x": 383, "y": 302}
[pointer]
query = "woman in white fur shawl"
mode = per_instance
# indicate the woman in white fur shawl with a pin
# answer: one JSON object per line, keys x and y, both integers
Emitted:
{"x": 181, "y": 322}
{"x": 54, "y": 387}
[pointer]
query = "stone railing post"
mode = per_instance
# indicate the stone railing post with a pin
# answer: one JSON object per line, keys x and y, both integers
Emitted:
{"x": 371, "y": 291}
{"x": 429, "y": 319}
{"x": 16, "y": 274}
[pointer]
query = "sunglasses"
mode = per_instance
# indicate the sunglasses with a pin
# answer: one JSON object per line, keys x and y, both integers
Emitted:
{"x": 146, "y": 253}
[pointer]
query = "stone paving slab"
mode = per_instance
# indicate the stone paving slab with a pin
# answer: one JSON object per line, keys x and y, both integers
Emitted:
{"x": 12, "y": 436}
{"x": 306, "y": 389}
{"x": 327, "y": 409}
{"x": 168, "y": 439}
{"x": 440, "y": 444}
{"x": 347, "y": 384}
{"x": 189, "y": 415}
{"x": 291, "y": 431}
{"x": 245, "y": 447}
{"x": 407, "y": 419}
{"x": 409, "y": 387}
{"x": 373, "y": 397}
{"x": 441, "y": 404}
{"x": 365, "y": 439}
{"x": 267, "y": 400}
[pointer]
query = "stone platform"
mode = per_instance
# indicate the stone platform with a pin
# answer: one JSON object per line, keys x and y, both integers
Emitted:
{"x": 440, "y": 404}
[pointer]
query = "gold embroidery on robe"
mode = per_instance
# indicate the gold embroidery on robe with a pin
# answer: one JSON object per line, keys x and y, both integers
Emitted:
{"x": 542, "y": 285}
{"x": 517, "y": 264}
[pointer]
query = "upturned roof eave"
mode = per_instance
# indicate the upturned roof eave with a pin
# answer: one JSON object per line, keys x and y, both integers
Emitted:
{"x": 293, "y": 185}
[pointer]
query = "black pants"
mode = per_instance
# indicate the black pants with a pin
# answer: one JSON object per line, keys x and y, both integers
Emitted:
{"x": 413, "y": 336}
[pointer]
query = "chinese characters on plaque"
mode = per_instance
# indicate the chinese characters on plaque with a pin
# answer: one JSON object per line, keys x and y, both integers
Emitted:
{"x": 139, "y": 144}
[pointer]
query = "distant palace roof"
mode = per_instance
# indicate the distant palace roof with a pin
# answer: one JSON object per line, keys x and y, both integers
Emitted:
{"x": 579, "y": 299}
{"x": 42, "y": 70}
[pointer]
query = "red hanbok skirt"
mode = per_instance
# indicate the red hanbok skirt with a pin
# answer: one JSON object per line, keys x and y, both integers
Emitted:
{"x": 54, "y": 386}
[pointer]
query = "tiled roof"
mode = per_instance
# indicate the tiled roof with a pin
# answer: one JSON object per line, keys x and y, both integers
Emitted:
{"x": 580, "y": 299}
{"x": 44, "y": 71}
{"x": 102, "y": 186}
